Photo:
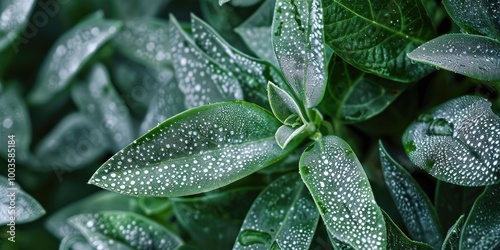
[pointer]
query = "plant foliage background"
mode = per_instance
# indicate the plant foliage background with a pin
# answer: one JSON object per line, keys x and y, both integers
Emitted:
{"x": 263, "y": 124}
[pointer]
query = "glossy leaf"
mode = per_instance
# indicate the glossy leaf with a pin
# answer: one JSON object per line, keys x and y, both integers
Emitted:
{"x": 146, "y": 40}
{"x": 123, "y": 230}
{"x": 240, "y": 3}
{"x": 24, "y": 209}
{"x": 214, "y": 220}
{"x": 457, "y": 142}
{"x": 103, "y": 107}
{"x": 256, "y": 32}
{"x": 282, "y": 104}
{"x": 342, "y": 192}
{"x": 193, "y": 152}
{"x": 201, "y": 79}
{"x": 14, "y": 16}
{"x": 398, "y": 240}
{"x": 375, "y": 36}
{"x": 69, "y": 53}
{"x": 482, "y": 227}
{"x": 474, "y": 56}
{"x": 476, "y": 17}
{"x": 452, "y": 240}
{"x": 285, "y": 134}
{"x": 139, "y": 9}
{"x": 282, "y": 217}
{"x": 298, "y": 44}
{"x": 417, "y": 211}
{"x": 72, "y": 144}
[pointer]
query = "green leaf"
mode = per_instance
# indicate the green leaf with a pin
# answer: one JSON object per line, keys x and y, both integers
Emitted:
{"x": 98, "y": 100}
{"x": 342, "y": 192}
{"x": 452, "y": 240}
{"x": 376, "y": 36}
{"x": 14, "y": 121}
{"x": 155, "y": 205}
{"x": 457, "y": 142}
{"x": 214, "y": 220}
{"x": 470, "y": 55}
{"x": 193, "y": 152}
{"x": 256, "y": 32}
{"x": 240, "y": 3}
{"x": 282, "y": 104}
{"x": 17, "y": 206}
{"x": 146, "y": 40}
{"x": 298, "y": 44}
{"x": 58, "y": 225}
{"x": 139, "y": 9}
{"x": 201, "y": 79}
{"x": 72, "y": 144}
{"x": 283, "y": 215}
{"x": 482, "y": 227}
{"x": 417, "y": 211}
{"x": 14, "y": 16}
{"x": 398, "y": 240}
{"x": 476, "y": 17}
{"x": 285, "y": 134}
{"x": 356, "y": 95}
{"x": 69, "y": 53}
{"x": 123, "y": 230}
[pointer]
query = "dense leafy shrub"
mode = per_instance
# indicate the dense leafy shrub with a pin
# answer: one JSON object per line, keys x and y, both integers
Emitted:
{"x": 263, "y": 124}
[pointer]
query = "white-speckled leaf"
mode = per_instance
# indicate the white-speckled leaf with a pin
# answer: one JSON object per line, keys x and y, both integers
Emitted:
{"x": 342, "y": 192}
{"x": 193, "y": 152}
{"x": 256, "y": 32}
{"x": 214, "y": 220}
{"x": 25, "y": 209}
{"x": 14, "y": 121}
{"x": 298, "y": 44}
{"x": 123, "y": 230}
{"x": 471, "y": 55}
{"x": 69, "y": 53}
{"x": 482, "y": 227}
{"x": 285, "y": 134}
{"x": 452, "y": 240}
{"x": 283, "y": 215}
{"x": 398, "y": 240}
{"x": 282, "y": 104}
{"x": 457, "y": 142}
{"x": 417, "y": 211}
{"x": 240, "y": 3}
{"x": 131, "y": 9}
{"x": 145, "y": 40}
{"x": 253, "y": 74}
{"x": 201, "y": 79}
{"x": 98, "y": 100}
{"x": 72, "y": 144}
{"x": 14, "y": 15}
{"x": 476, "y": 16}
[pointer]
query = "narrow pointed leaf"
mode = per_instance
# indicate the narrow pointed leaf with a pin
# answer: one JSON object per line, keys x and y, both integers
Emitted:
{"x": 282, "y": 217}
{"x": 298, "y": 44}
{"x": 417, "y": 211}
{"x": 193, "y": 152}
{"x": 214, "y": 216}
{"x": 282, "y": 104}
{"x": 471, "y": 55}
{"x": 286, "y": 134}
{"x": 25, "y": 209}
{"x": 69, "y": 53}
{"x": 123, "y": 230}
{"x": 452, "y": 240}
{"x": 376, "y": 36}
{"x": 398, "y": 240}
{"x": 14, "y": 15}
{"x": 201, "y": 79}
{"x": 457, "y": 142}
{"x": 103, "y": 107}
{"x": 240, "y": 3}
{"x": 482, "y": 227}
{"x": 342, "y": 192}
{"x": 480, "y": 17}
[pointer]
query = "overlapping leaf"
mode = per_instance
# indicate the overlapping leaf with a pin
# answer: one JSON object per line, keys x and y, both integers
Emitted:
{"x": 14, "y": 15}
{"x": 24, "y": 209}
{"x": 398, "y": 240}
{"x": 452, "y": 240}
{"x": 476, "y": 16}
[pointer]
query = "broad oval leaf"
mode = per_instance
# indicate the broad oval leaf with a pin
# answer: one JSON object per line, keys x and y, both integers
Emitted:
{"x": 196, "y": 151}
{"x": 482, "y": 227}
{"x": 214, "y": 220}
{"x": 476, "y": 16}
{"x": 474, "y": 56}
{"x": 103, "y": 106}
{"x": 398, "y": 240}
{"x": 457, "y": 142}
{"x": 123, "y": 230}
{"x": 14, "y": 15}
{"x": 298, "y": 44}
{"x": 201, "y": 79}
{"x": 69, "y": 53}
{"x": 282, "y": 217}
{"x": 452, "y": 240}
{"x": 417, "y": 211}
{"x": 375, "y": 36}
{"x": 342, "y": 192}
{"x": 24, "y": 209}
